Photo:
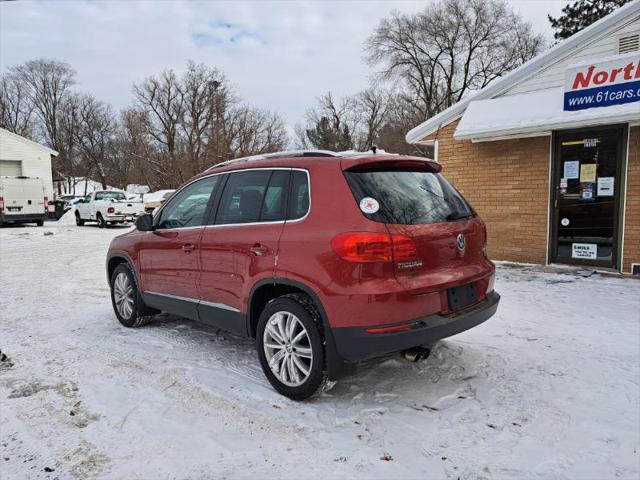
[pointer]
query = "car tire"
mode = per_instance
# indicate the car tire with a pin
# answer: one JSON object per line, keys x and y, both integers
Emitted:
{"x": 135, "y": 313}
{"x": 292, "y": 381}
{"x": 79, "y": 221}
{"x": 100, "y": 220}
{"x": 40, "y": 223}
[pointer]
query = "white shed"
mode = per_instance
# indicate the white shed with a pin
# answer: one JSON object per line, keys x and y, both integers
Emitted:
{"x": 21, "y": 156}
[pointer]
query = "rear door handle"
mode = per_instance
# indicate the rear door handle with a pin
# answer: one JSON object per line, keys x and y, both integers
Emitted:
{"x": 259, "y": 250}
{"x": 188, "y": 247}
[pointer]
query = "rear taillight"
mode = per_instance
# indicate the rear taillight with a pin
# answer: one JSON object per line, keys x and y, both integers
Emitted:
{"x": 46, "y": 204}
{"x": 374, "y": 247}
{"x": 111, "y": 210}
{"x": 1, "y": 204}
{"x": 363, "y": 247}
{"x": 404, "y": 249}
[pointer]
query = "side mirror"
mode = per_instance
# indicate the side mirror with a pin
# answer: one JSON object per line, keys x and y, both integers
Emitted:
{"x": 144, "y": 223}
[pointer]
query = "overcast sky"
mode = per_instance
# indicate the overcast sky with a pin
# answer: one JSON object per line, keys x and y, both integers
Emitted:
{"x": 278, "y": 55}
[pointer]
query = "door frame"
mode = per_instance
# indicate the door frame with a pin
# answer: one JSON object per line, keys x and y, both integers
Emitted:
{"x": 618, "y": 196}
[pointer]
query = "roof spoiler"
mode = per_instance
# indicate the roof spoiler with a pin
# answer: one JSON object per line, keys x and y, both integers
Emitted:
{"x": 391, "y": 163}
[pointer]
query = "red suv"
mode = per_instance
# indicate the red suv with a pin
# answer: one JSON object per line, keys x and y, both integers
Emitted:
{"x": 325, "y": 259}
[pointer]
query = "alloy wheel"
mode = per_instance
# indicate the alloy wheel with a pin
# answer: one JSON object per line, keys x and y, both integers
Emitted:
{"x": 123, "y": 295}
{"x": 287, "y": 347}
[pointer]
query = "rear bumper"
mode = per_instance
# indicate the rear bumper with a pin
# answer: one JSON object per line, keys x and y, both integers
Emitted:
{"x": 130, "y": 217}
{"x": 22, "y": 217}
{"x": 354, "y": 343}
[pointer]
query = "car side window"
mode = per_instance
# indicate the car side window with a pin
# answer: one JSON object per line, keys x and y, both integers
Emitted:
{"x": 189, "y": 206}
{"x": 299, "y": 195}
{"x": 254, "y": 196}
{"x": 275, "y": 199}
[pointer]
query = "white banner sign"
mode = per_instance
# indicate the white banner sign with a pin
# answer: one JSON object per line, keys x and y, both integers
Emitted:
{"x": 611, "y": 81}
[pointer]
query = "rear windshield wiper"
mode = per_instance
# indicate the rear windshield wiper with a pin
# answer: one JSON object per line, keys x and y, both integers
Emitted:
{"x": 458, "y": 216}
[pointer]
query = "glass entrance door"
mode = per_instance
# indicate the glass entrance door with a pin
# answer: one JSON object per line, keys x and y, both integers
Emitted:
{"x": 585, "y": 203}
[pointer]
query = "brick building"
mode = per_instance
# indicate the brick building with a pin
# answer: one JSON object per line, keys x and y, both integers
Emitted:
{"x": 549, "y": 155}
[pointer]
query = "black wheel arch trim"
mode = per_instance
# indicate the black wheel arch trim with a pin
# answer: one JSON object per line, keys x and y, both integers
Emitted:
{"x": 127, "y": 259}
{"x": 289, "y": 283}
{"x": 336, "y": 366}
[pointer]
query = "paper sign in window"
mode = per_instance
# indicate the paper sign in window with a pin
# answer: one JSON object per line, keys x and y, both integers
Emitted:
{"x": 588, "y": 172}
{"x": 605, "y": 186}
{"x": 588, "y": 251}
{"x": 571, "y": 169}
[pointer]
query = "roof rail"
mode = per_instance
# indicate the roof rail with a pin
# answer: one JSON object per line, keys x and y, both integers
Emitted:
{"x": 283, "y": 154}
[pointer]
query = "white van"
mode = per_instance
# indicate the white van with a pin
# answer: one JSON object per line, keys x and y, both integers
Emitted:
{"x": 23, "y": 200}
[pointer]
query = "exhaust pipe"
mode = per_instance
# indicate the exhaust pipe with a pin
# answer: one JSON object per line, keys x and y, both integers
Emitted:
{"x": 416, "y": 354}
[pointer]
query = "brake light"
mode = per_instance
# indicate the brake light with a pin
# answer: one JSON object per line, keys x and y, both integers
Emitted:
{"x": 111, "y": 210}
{"x": 1, "y": 204}
{"x": 374, "y": 247}
{"x": 46, "y": 204}
{"x": 363, "y": 247}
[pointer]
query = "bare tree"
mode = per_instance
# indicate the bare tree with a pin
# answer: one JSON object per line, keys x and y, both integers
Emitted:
{"x": 135, "y": 146}
{"x": 195, "y": 120}
{"x": 252, "y": 131}
{"x": 330, "y": 124}
{"x": 450, "y": 48}
{"x": 16, "y": 110}
{"x": 353, "y": 122}
{"x": 401, "y": 116}
{"x": 205, "y": 95}
{"x": 162, "y": 99}
{"x": 371, "y": 108}
{"x": 96, "y": 135}
{"x": 47, "y": 84}
{"x": 68, "y": 131}
{"x": 178, "y": 125}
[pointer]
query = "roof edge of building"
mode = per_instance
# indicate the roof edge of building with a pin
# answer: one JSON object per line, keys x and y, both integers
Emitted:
{"x": 30, "y": 142}
{"x": 543, "y": 129}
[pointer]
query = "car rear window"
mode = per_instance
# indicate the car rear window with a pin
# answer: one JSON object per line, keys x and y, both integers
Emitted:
{"x": 110, "y": 196}
{"x": 408, "y": 197}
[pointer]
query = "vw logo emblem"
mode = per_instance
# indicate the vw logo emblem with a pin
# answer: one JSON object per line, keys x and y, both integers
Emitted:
{"x": 461, "y": 242}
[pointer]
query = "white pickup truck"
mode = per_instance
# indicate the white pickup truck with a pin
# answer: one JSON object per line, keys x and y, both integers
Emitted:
{"x": 107, "y": 207}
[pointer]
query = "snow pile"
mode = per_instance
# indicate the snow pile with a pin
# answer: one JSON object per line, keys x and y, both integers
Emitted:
{"x": 69, "y": 217}
{"x": 156, "y": 196}
{"x": 80, "y": 185}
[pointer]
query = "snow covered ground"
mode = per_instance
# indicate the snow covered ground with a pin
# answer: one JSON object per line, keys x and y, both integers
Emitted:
{"x": 548, "y": 388}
